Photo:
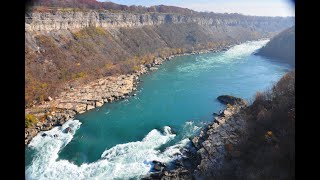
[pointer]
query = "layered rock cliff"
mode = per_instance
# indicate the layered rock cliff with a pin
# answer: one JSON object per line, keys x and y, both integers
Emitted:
{"x": 71, "y": 20}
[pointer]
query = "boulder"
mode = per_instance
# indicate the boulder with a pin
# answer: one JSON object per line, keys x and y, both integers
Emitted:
{"x": 65, "y": 116}
{"x": 227, "y": 113}
{"x": 215, "y": 125}
{"x": 46, "y": 127}
{"x": 195, "y": 142}
{"x": 153, "y": 68}
{"x": 49, "y": 118}
{"x": 99, "y": 103}
{"x": 67, "y": 130}
{"x": 158, "y": 166}
{"x": 89, "y": 107}
{"x": 48, "y": 99}
{"x": 166, "y": 173}
{"x": 215, "y": 114}
{"x": 80, "y": 108}
{"x": 110, "y": 99}
{"x": 217, "y": 143}
{"x": 227, "y": 99}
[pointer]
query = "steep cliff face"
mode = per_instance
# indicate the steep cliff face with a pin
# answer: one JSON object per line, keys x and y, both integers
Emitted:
{"x": 281, "y": 47}
{"x": 69, "y": 47}
{"x": 72, "y": 20}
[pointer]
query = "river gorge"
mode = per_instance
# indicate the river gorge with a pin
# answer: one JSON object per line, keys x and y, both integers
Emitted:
{"x": 119, "y": 140}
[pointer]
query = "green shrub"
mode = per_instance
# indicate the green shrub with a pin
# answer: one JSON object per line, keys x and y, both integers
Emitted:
{"x": 100, "y": 31}
{"x": 81, "y": 75}
{"x": 81, "y": 34}
{"x": 30, "y": 120}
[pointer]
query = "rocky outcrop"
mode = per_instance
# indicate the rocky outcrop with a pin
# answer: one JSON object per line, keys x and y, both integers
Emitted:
{"x": 218, "y": 139}
{"x": 77, "y": 100}
{"x": 72, "y": 20}
{"x": 209, "y": 148}
{"x": 227, "y": 99}
{"x": 281, "y": 47}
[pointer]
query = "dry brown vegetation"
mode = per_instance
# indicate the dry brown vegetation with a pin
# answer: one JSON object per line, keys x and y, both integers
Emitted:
{"x": 67, "y": 58}
{"x": 53, "y": 5}
{"x": 268, "y": 149}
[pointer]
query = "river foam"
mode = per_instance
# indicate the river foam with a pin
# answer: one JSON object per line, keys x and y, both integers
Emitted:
{"x": 233, "y": 55}
{"x": 123, "y": 161}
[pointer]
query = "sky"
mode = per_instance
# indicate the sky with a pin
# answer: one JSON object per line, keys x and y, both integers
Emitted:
{"x": 246, "y": 7}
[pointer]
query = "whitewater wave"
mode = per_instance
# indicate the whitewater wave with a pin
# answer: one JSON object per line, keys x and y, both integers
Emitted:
{"x": 190, "y": 128}
{"x": 232, "y": 55}
{"x": 123, "y": 161}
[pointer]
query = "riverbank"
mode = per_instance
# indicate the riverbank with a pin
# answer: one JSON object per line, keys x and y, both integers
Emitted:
{"x": 76, "y": 100}
{"x": 208, "y": 150}
{"x": 244, "y": 142}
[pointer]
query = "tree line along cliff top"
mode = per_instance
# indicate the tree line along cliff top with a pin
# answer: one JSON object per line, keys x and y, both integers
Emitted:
{"x": 51, "y": 5}
{"x": 85, "y": 5}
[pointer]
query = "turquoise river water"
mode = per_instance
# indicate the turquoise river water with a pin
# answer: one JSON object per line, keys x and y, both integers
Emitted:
{"x": 119, "y": 140}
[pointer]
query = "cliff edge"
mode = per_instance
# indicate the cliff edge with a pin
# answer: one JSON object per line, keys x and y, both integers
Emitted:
{"x": 281, "y": 47}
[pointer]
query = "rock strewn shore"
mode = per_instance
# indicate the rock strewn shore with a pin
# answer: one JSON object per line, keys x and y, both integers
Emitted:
{"x": 218, "y": 140}
{"x": 77, "y": 100}
{"x": 209, "y": 148}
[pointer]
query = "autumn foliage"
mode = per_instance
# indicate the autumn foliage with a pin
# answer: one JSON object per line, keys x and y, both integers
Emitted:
{"x": 268, "y": 149}
{"x": 53, "y": 5}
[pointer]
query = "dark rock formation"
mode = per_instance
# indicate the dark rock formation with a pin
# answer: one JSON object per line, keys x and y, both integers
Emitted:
{"x": 67, "y": 130}
{"x": 227, "y": 99}
{"x": 158, "y": 166}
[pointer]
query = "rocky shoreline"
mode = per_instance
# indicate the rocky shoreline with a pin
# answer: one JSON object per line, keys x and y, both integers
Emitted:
{"x": 76, "y": 100}
{"x": 209, "y": 149}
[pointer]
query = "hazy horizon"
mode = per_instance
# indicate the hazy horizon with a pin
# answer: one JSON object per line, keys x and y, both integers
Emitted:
{"x": 246, "y": 7}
